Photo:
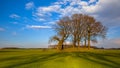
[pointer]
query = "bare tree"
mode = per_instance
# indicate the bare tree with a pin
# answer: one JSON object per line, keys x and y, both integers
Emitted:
{"x": 94, "y": 29}
{"x": 77, "y": 28}
{"x": 62, "y": 29}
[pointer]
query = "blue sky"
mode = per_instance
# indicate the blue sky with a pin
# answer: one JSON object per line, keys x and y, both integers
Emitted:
{"x": 27, "y": 23}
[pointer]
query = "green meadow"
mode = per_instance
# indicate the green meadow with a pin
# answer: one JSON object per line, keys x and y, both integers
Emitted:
{"x": 50, "y": 58}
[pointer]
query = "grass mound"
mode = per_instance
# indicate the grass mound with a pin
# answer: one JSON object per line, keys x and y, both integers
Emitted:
{"x": 69, "y": 58}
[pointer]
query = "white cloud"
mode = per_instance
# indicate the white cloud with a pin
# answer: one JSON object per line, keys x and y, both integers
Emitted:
{"x": 41, "y": 19}
{"x": 102, "y": 10}
{"x": 2, "y": 29}
{"x": 53, "y": 8}
{"x": 84, "y": 3}
{"x": 44, "y": 13}
{"x": 15, "y": 16}
{"x": 37, "y": 27}
{"x": 63, "y": 8}
{"x": 106, "y": 12}
{"x": 103, "y": 7}
{"x": 92, "y": 1}
{"x": 29, "y": 5}
{"x": 45, "y": 10}
{"x": 73, "y": 2}
{"x": 52, "y": 22}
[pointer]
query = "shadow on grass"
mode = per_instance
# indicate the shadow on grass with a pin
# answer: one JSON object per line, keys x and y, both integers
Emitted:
{"x": 92, "y": 57}
{"x": 98, "y": 58}
{"x": 38, "y": 58}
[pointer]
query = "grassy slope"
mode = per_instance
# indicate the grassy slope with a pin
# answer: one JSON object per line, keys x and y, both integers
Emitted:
{"x": 37, "y": 58}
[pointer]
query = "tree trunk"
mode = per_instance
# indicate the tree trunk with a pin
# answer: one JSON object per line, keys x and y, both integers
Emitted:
{"x": 78, "y": 43}
{"x": 62, "y": 47}
{"x": 74, "y": 42}
{"x": 85, "y": 43}
{"x": 58, "y": 46}
{"x": 88, "y": 39}
{"x": 61, "y": 44}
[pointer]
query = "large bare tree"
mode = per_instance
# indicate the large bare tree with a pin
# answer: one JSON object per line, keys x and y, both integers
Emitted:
{"x": 62, "y": 29}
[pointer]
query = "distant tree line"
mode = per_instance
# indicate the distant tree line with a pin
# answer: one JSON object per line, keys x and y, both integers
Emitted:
{"x": 78, "y": 28}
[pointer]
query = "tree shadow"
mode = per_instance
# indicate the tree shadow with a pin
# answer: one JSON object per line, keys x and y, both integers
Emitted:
{"x": 98, "y": 58}
{"x": 38, "y": 58}
{"x": 42, "y": 59}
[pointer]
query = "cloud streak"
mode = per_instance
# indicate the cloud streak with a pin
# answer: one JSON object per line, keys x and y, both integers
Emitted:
{"x": 15, "y": 16}
{"x": 37, "y": 27}
{"x": 29, "y": 5}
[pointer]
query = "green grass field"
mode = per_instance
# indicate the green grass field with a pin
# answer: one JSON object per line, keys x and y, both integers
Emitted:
{"x": 38, "y": 58}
